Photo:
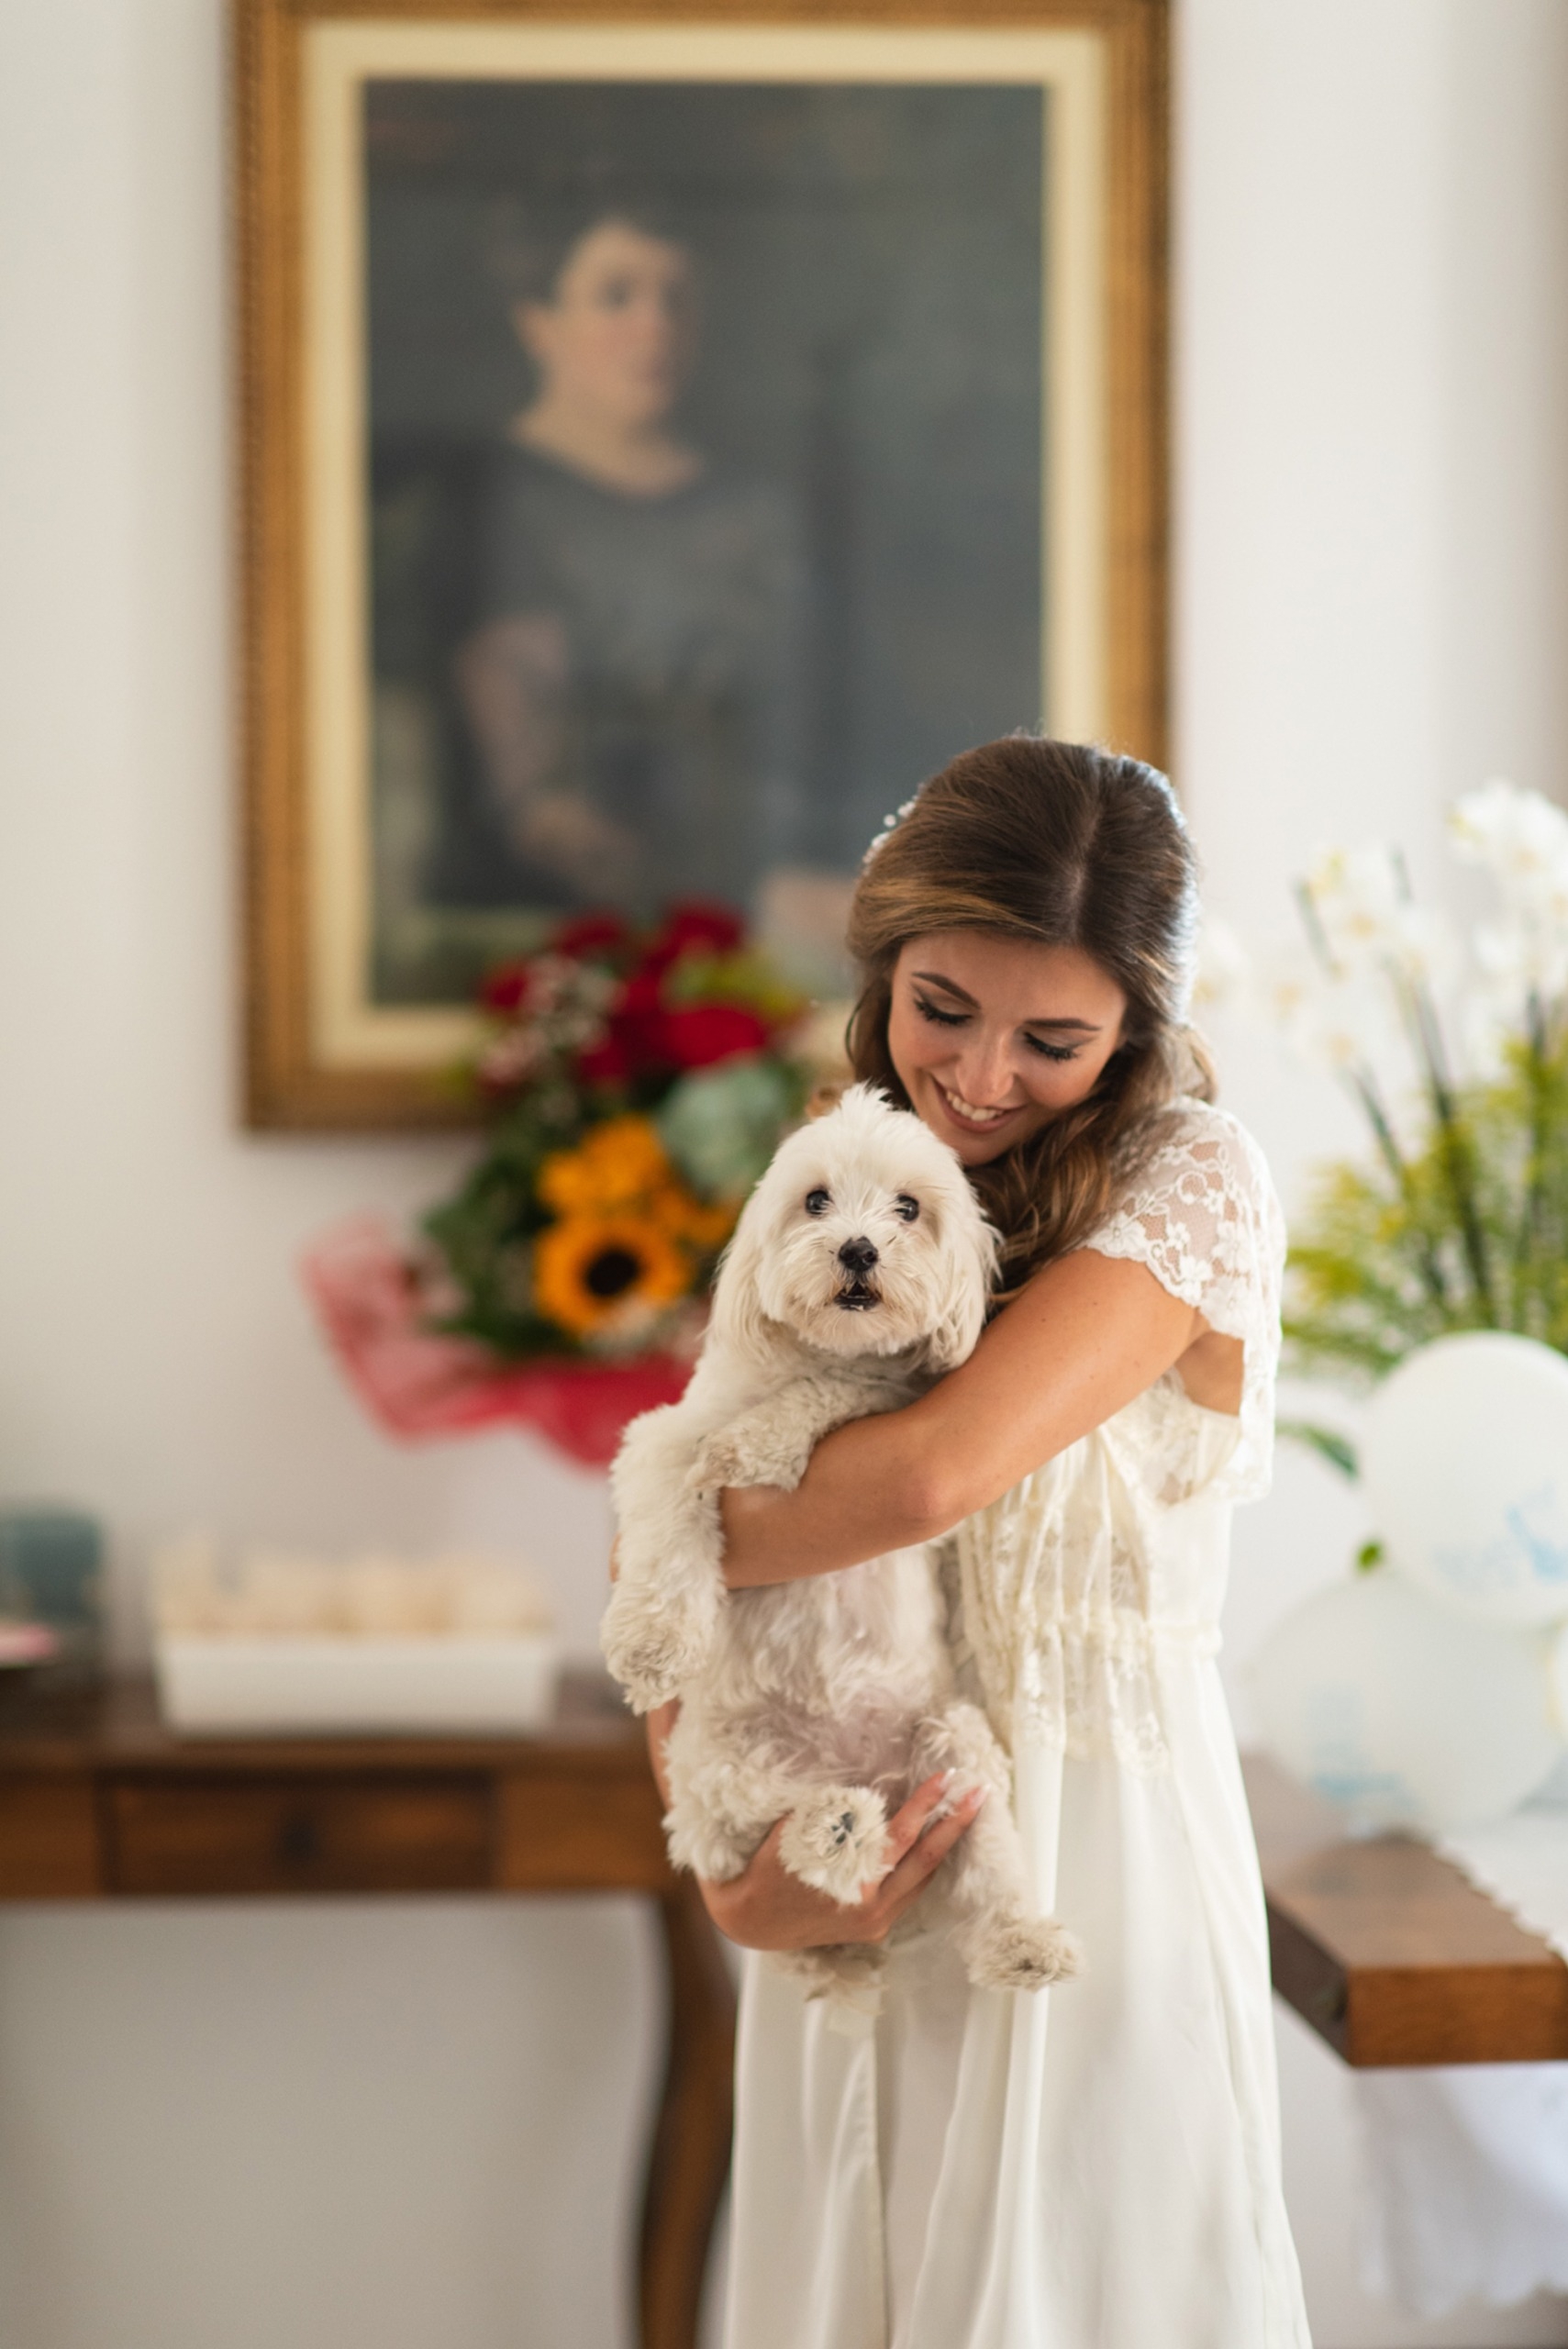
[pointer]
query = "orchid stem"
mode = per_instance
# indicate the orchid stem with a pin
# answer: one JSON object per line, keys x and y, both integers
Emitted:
{"x": 1363, "y": 1084}
{"x": 1458, "y": 1155}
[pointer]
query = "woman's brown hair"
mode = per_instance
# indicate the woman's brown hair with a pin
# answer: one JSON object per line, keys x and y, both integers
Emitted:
{"x": 1063, "y": 845}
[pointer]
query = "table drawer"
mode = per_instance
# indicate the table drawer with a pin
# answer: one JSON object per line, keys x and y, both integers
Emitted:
{"x": 165, "y": 1835}
{"x": 555, "y": 1835}
{"x": 49, "y": 1838}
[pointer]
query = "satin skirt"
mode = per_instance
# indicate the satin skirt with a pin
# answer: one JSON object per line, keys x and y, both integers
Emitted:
{"x": 1092, "y": 2166}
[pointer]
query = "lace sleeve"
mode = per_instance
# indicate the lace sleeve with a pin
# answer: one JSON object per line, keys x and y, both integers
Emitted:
{"x": 1201, "y": 1213}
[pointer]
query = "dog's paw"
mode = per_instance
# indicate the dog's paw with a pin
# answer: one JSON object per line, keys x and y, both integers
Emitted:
{"x": 1022, "y": 1954}
{"x": 837, "y": 1841}
{"x": 849, "y": 1976}
{"x": 719, "y": 1461}
{"x": 748, "y": 1454}
{"x": 646, "y": 1682}
{"x": 698, "y": 1843}
{"x": 654, "y": 1654}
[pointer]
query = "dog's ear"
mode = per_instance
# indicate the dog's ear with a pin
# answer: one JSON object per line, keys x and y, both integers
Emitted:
{"x": 738, "y": 1318}
{"x": 968, "y": 1269}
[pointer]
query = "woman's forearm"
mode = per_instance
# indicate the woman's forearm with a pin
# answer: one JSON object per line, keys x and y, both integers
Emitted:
{"x": 869, "y": 1488}
{"x": 1086, "y": 1336}
{"x": 660, "y": 1721}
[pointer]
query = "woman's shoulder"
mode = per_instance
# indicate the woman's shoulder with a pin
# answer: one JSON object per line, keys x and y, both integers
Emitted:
{"x": 1195, "y": 1202}
{"x": 1193, "y": 1134}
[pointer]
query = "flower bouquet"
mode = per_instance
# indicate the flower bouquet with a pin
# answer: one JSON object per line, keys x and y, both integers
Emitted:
{"x": 1430, "y": 1693}
{"x": 1458, "y": 1220}
{"x": 634, "y": 1085}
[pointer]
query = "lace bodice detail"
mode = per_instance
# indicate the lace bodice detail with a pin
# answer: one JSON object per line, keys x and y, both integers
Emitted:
{"x": 1081, "y": 1584}
{"x": 1201, "y": 1213}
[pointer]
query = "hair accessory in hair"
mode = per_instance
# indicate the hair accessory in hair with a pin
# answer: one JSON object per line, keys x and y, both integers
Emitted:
{"x": 889, "y": 825}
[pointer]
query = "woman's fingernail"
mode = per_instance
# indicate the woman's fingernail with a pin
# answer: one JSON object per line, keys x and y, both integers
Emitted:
{"x": 947, "y": 1777}
{"x": 972, "y": 1801}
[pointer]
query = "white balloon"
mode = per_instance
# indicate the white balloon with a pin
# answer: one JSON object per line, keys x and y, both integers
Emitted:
{"x": 1403, "y": 1713}
{"x": 1465, "y": 1462}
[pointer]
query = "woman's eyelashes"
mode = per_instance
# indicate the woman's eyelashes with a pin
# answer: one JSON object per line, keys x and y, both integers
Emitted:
{"x": 1037, "y": 1044}
{"x": 927, "y": 1010}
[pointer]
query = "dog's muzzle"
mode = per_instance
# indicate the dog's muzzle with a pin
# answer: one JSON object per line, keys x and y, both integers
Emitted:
{"x": 859, "y": 1293}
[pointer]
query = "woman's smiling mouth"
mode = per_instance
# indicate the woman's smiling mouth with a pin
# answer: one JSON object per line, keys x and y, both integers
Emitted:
{"x": 964, "y": 1113}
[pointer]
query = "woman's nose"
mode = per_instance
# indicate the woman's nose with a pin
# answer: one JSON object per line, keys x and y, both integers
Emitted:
{"x": 984, "y": 1073}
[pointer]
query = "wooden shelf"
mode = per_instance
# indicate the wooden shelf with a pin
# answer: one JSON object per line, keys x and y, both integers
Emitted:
{"x": 1390, "y": 1953}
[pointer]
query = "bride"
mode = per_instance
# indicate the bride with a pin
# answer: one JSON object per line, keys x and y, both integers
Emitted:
{"x": 1096, "y": 2165}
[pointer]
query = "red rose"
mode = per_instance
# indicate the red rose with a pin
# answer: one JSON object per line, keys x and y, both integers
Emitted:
{"x": 506, "y": 991}
{"x": 701, "y": 1033}
{"x": 635, "y": 1024}
{"x": 605, "y": 1063}
{"x": 695, "y": 923}
{"x": 589, "y": 934}
{"x": 639, "y": 998}
{"x": 632, "y": 1044}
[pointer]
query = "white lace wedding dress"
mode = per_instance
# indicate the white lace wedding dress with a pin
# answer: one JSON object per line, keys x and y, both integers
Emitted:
{"x": 1095, "y": 2166}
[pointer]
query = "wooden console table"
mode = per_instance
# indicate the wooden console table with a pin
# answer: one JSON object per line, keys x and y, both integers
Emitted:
{"x": 98, "y": 1801}
{"x": 1384, "y": 1949}
{"x": 1390, "y": 1953}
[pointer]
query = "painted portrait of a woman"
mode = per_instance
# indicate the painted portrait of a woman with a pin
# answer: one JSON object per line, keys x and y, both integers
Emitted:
{"x": 615, "y": 616}
{"x": 697, "y": 517}
{"x": 625, "y": 676}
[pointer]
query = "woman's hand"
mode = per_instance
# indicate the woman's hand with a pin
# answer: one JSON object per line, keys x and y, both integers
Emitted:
{"x": 766, "y": 1908}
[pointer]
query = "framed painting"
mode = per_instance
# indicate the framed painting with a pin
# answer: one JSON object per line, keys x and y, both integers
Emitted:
{"x": 668, "y": 433}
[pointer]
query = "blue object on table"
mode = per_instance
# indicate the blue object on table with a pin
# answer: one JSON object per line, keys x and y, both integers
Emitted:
{"x": 51, "y": 1572}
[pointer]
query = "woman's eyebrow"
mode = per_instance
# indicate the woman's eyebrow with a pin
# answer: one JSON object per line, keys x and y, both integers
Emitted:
{"x": 935, "y": 979}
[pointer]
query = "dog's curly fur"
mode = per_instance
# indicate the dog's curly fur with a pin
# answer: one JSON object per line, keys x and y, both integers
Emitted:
{"x": 857, "y": 1275}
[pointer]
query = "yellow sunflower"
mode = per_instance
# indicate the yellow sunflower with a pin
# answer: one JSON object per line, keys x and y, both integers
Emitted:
{"x": 695, "y": 1222}
{"x": 615, "y": 1166}
{"x": 590, "y": 1269}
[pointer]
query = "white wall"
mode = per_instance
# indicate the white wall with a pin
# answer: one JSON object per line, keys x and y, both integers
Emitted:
{"x": 414, "y": 2124}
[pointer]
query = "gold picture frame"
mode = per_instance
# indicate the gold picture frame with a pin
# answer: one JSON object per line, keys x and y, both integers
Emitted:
{"x": 322, "y": 1051}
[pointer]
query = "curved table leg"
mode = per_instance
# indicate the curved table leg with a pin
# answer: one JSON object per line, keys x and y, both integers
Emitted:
{"x": 689, "y": 2158}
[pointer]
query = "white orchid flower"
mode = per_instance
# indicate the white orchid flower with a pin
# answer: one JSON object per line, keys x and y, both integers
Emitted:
{"x": 1519, "y": 959}
{"x": 1520, "y": 838}
{"x": 1222, "y": 968}
{"x": 1336, "y": 1024}
{"x": 1361, "y": 901}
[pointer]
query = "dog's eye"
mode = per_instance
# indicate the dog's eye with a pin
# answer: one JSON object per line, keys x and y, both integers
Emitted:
{"x": 907, "y": 1207}
{"x": 817, "y": 1203}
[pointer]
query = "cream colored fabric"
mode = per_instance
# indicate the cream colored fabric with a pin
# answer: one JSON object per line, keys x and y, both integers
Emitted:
{"x": 1095, "y": 2166}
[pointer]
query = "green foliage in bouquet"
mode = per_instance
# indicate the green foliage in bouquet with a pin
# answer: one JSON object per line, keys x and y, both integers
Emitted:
{"x": 1469, "y": 1231}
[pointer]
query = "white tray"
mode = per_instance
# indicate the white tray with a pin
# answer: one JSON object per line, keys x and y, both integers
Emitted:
{"x": 342, "y": 1687}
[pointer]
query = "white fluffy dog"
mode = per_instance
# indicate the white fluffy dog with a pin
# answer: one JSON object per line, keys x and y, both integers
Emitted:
{"x": 858, "y": 1274}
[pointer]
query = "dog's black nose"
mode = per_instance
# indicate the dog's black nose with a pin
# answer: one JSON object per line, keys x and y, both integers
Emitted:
{"x": 857, "y": 1256}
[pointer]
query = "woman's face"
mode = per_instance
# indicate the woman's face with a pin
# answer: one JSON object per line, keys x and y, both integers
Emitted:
{"x": 617, "y": 337}
{"x": 993, "y": 1037}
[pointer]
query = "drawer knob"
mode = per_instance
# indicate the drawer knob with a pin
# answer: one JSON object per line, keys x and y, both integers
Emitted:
{"x": 1331, "y": 2003}
{"x": 299, "y": 1840}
